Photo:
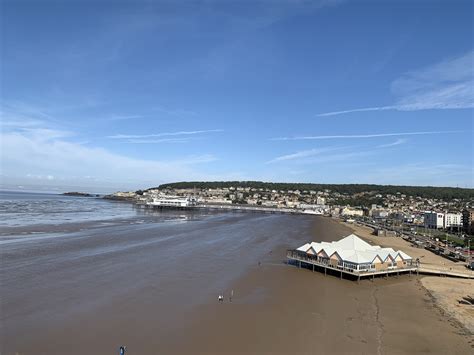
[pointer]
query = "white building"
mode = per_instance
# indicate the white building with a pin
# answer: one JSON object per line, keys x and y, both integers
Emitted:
{"x": 437, "y": 220}
{"x": 347, "y": 211}
{"x": 452, "y": 220}
{"x": 434, "y": 220}
{"x": 355, "y": 255}
{"x": 172, "y": 201}
{"x": 320, "y": 200}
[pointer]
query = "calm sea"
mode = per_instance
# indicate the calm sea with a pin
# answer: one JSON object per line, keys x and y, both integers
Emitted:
{"x": 25, "y": 209}
{"x": 123, "y": 272}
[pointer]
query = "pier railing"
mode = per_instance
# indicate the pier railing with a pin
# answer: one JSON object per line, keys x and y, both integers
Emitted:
{"x": 301, "y": 256}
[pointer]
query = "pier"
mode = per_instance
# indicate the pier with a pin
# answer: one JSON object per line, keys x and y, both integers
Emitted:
{"x": 303, "y": 260}
{"x": 316, "y": 263}
{"x": 223, "y": 207}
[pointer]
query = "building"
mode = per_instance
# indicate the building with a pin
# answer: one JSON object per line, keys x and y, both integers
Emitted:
{"x": 437, "y": 220}
{"x": 172, "y": 201}
{"x": 347, "y": 211}
{"x": 379, "y": 213}
{"x": 468, "y": 220}
{"x": 352, "y": 255}
{"x": 452, "y": 220}
{"x": 320, "y": 200}
{"x": 434, "y": 220}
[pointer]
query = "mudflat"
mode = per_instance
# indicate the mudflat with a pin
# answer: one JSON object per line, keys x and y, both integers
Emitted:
{"x": 278, "y": 309}
{"x": 154, "y": 287}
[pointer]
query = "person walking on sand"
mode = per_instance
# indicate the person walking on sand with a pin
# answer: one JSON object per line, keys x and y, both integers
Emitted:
{"x": 220, "y": 298}
{"x": 231, "y": 295}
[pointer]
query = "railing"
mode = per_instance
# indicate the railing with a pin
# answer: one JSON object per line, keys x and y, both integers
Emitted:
{"x": 324, "y": 262}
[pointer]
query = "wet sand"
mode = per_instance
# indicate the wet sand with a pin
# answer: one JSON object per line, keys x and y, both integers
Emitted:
{"x": 278, "y": 309}
{"x": 154, "y": 287}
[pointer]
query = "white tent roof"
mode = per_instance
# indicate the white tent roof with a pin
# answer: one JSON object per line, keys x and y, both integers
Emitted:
{"x": 355, "y": 250}
{"x": 304, "y": 247}
{"x": 353, "y": 242}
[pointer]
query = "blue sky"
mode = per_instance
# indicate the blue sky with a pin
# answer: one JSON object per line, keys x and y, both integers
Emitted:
{"x": 111, "y": 95}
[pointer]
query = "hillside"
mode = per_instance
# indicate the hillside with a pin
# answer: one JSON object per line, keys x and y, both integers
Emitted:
{"x": 445, "y": 193}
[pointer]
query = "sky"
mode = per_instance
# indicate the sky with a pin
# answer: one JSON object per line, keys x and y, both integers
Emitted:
{"x": 121, "y": 95}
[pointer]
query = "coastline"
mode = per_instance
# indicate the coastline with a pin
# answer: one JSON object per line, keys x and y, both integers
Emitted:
{"x": 89, "y": 277}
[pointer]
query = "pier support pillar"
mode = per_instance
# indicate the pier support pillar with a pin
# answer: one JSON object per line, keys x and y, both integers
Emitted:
{"x": 313, "y": 267}
{"x": 299, "y": 264}
{"x": 325, "y": 271}
{"x": 341, "y": 275}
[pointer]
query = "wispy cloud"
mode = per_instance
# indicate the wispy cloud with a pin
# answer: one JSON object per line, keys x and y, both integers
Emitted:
{"x": 300, "y": 155}
{"x": 360, "y": 136}
{"x": 445, "y": 85}
{"x": 30, "y": 153}
{"x": 325, "y": 155}
{"x": 366, "y": 109}
{"x": 166, "y": 134}
{"x": 393, "y": 144}
{"x": 124, "y": 117}
{"x": 161, "y": 140}
{"x": 38, "y": 150}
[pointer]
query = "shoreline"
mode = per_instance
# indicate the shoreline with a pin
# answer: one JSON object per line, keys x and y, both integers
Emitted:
{"x": 172, "y": 306}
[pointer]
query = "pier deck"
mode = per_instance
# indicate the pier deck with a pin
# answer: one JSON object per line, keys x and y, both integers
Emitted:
{"x": 358, "y": 274}
{"x": 301, "y": 260}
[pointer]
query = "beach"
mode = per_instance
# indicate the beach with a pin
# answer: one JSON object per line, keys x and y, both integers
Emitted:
{"x": 152, "y": 286}
{"x": 445, "y": 292}
{"x": 285, "y": 310}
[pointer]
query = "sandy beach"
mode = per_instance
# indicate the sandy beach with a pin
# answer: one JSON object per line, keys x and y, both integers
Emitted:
{"x": 154, "y": 288}
{"x": 282, "y": 310}
{"x": 445, "y": 292}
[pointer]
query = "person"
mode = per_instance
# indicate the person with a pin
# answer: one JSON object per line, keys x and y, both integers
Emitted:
{"x": 220, "y": 298}
{"x": 122, "y": 350}
{"x": 231, "y": 294}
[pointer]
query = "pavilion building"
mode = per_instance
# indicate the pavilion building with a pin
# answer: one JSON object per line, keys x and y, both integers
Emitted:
{"x": 352, "y": 255}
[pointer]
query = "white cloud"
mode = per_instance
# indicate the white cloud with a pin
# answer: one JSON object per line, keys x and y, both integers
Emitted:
{"x": 322, "y": 155}
{"x": 160, "y": 140}
{"x": 47, "y": 154}
{"x": 446, "y": 85}
{"x": 361, "y": 136}
{"x": 393, "y": 144}
{"x": 300, "y": 155}
{"x": 366, "y": 109}
{"x": 145, "y": 138}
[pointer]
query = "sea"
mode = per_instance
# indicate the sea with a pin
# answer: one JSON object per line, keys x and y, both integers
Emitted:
{"x": 74, "y": 262}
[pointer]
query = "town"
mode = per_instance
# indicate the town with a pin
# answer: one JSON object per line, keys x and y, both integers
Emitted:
{"x": 448, "y": 221}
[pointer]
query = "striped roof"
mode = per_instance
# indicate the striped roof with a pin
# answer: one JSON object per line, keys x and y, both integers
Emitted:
{"x": 353, "y": 249}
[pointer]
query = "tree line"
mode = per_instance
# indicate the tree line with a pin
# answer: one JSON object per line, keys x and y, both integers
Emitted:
{"x": 445, "y": 193}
